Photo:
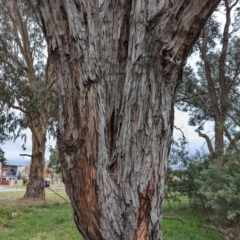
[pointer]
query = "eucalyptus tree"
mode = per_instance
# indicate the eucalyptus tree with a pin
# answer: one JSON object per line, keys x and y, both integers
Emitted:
{"x": 118, "y": 65}
{"x": 2, "y": 158}
{"x": 26, "y": 80}
{"x": 212, "y": 93}
{"x": 54, "y": 160}
{"x": 3, "y": 135}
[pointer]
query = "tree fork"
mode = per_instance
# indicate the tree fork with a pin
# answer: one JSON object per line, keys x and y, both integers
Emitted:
{"x": 118, "y": 66}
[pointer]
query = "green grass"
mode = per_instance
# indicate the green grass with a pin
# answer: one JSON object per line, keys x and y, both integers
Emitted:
{"x": 40, "y": 223}
{"x": 174, "y": 229}
{"x": 53, "y": 220}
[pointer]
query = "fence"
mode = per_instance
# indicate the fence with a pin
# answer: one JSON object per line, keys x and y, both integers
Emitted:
{"x": 11, "y": 182}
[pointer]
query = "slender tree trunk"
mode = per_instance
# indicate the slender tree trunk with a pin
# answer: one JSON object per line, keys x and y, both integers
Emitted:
{"x": 35, "y": 187}
{"x": 118, "y": 68}
{"x": 219, "y": 137}
{"x": 219, "y": 98}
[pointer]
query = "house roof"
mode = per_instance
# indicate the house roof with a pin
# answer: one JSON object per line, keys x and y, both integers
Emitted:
{"x": 9, "y": 165}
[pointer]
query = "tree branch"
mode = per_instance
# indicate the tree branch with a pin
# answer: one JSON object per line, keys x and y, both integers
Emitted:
{"x": 18, "y": 108}
{"x": 13, "y": 58}
{"x": 212, "y": 90}
{"x": 230, "y": 231}
{"x": 175, "y": 217}
{"x": 209, "y": 144}
{"x": 234, "y": 119}
{"x": 234, "y": 4}
{"x": 234, "y": 141}
{"x": 227, "y": 134}
{"x": 26, "y": 155}
{"x": 190, "y": 97}
{"x": 179, "y": 129}
{"x": 222, "y": 60}
{"x": 22, "y": 28}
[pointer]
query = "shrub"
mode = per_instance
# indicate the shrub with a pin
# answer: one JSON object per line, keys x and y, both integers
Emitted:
{"x": 25, "y": 180}
{"x": 220, "y": 186}
{"x": 182, "y": 181}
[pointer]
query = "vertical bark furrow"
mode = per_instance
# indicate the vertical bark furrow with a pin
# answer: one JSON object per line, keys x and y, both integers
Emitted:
{"x": 118, "y": 70}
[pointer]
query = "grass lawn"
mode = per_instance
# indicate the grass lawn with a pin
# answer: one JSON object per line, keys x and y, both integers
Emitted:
{"x": 46, "y": 222}
{"x": 53, "y": 220}
{"x": 174, "y": 229}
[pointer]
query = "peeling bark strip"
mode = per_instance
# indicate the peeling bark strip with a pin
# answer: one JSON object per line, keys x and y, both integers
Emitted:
{"x": 118, "y": 64}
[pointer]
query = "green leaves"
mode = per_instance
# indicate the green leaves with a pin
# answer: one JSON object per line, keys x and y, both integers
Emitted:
{"x": 26, "y": 82}
{"x": 2, "y": 158}
{"x": 54, "y": 160}
{"x": 210, "y": 89}
{"x": 216, "y": 187}
{"x": 220, "y": 185}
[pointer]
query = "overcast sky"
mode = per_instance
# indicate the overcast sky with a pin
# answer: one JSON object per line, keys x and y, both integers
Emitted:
{"x": 195, "y": 142}
{"x": 13, "y": 149}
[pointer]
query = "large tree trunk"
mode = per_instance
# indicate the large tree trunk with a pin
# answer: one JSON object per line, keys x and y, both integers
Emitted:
{"x": 35, "y": 187}
{"x": 118, "y": 68}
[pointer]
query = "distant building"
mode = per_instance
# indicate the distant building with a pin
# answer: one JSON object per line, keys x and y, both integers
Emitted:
{"x": 22, "y": 172}
{"x": 11, "y": 172}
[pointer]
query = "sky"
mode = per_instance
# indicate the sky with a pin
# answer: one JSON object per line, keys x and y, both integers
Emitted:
{"x": 194, "y": 141}
{"x": 13, "y": 149}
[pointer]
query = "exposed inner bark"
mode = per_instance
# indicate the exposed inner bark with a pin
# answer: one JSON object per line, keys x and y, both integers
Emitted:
{"x": 118, "y": 69}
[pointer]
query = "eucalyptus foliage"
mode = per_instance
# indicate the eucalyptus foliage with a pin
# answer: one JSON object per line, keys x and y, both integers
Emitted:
{"x": 211, "y": 92}
{"x": 183, "y": 171}
{"x": 220, "y": 187}
{"x": 26, "y": 84}
{"x": 54, "y": 160}
{"x": 23, "y": 76}
{"x": 210, "y": 89}
{"x": 213, "y": 187}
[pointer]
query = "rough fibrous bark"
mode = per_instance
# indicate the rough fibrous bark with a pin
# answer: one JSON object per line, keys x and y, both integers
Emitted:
{"x": 35, "y": 187}
{"x": 118, "y": 66}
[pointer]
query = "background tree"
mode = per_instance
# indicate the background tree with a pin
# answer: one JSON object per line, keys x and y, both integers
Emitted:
{"x": 54, "y": 160}
{"x": 4, "y": 119}
{"x": 118, "y": 65}
{"x": 211, "y": 93}
{"x": 25, "y": 83}
{"x": 2, "y": 158}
